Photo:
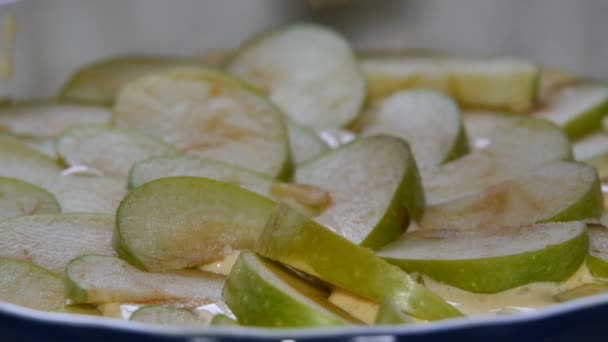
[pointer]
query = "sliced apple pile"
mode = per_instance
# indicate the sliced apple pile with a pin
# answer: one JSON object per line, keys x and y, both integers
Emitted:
{"x": 554, "y": 191}
{"x": 295, "y": 240}
{"x": 491, "y": 261}
{"x": 178, "y": 222}
{"x": 18, "y": 198}
{"x": 23, "y": 283}
{"x": 262, "y": 293}
{"x": 207, "y": 113}
{"x": 512, "y": 150}
{"x": 429, "y": 121}
{"x": 389, "y": 179}
{"x": 308, "y": 70}
{"x": 100, "y": 83}
{"x": 169, "y": 315}
{"x": 500, "y": 83}
{"x": 88, "y": 146}
{"x": 98, "y": 279}
{"x": 52, "y": 240}
{"x": 578, "y": 108}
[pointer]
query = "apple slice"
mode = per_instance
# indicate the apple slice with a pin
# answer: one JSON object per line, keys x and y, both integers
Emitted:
{"x": 44, "y": 145}
{"x": 357, "y": 306}
{"x": 223, "y": 266}
{"x": 597, "y": 260}
{"x": 578, "y": 108}
{"x": 601, "y": 165}
{"x": 223, "y": 320}
{"x": 490, "y": 261}
{"x": 77, "y": 309}
{"x": 261, "y": 293}
{"x": 308, "y": 70}
{"x": 96, "y": 279}
{"x": 513, "y": 149}
{"x": 89, "y": 146}
{"x": 21, "y": 161}
{"x": 388, "y": 178}
{"x": 428, "y": 121}
{"x": 169, "y": 315}
{"x": 210, "y": 114}
{"x": 52, "y": 240}
{"x": 19, "y": 198}
{"x": 23, "y": 283}
{"x": 590, "y": 146}
{"x": 49, "y": 119}
{"x": 178, "y": 222}
{"x": 481, "y": 125}
{"x": 581, "y": 291}
{"x": 304, "y": 142}
{"x": 101, "y": 81}
{"x": 86, "y": 194}
{"x": 390, "y": 314}
{"x": 295, "y": 240}
{"x": 552, "y": 192}
{"x": 499, "y": 83}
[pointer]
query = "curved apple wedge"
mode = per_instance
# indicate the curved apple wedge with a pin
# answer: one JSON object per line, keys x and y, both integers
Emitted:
{"x": 388, "y": 177}
{"x": 169, "y": 315}
{"x": 308, "y": 70}
{"x": 19, "y": 198}
{"x": 597, "y": 260}
{"x": 390, "y": 314}
{"x": 553, "y": 192}
{"x": 492, "y": 261}
{"x": 295, "y": 240}
{"x": 578, "y": 108}
{"x": 207, "y": 113}
{"x": 262, "y": 293}
{"x": 96, "y": 279}
{"x": 52, "y": 240}
{"x": 23, "y": 283}
{"x": 178, "y": 222}
{"x": 430, "y": 122}
{"x": 512, "y": 150}
{"x": 89, "y": 145}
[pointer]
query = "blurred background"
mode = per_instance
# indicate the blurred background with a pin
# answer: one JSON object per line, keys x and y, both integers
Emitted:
{"x": 55, "y": 36}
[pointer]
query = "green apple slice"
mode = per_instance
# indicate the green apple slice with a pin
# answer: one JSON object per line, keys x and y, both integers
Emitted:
{"x": 295, "y": 240}
{"x": 492, "y": 261}
{"x": 357, "y": 306}
{"x": 19, "y": 198}
{"x": 390, "y": 314}
{"x": 21, "y": 161}
{"x": 101, "y": 81}
{"x": 585, "y": 290}
{"x": 481, "y": 125}
{"x": 23, "y": 283}
{"x": 597, "y": 260}
{"x": 389, "y": 179}
{"x": 178, "y": 222}
{"x": 49, "y": 119}
{"x": 304, "y": 142}
{"x": 428, "y": 121}
{"x": 308, "y": 70}
{"x": 44, "y": 145}
{"x": 261, "y": 293}
{"x": 77, "y": 309}
{"x": 556, "y": 191}
{"x": 96, "y": 279}
{"x": 513, "y": 149}
{"x": 590, "y": 146}
{"x": 499, "y": 83}
{"x": 89, "y": 146}
{"x": 206, "y": 113}
{"x": 52, "y": 240}
{"x": 578, "y": 108}
{"x": 223, "y": 320}
{"x": 168, "y": 315}
{"x": 172, "y": 166}
{"x": 86, "y": 194}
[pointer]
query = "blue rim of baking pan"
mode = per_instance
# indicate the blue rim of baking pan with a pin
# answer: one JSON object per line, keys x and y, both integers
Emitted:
{"x": 586, "y": 317}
